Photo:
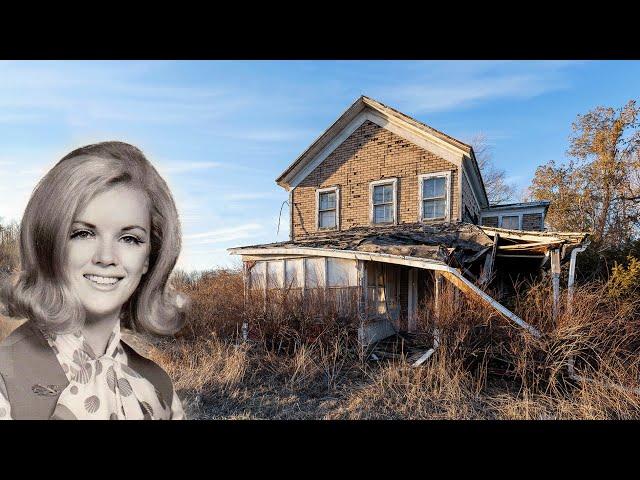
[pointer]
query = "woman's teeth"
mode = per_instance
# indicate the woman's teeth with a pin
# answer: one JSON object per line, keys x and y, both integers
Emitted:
{"x": 102, "y": 280}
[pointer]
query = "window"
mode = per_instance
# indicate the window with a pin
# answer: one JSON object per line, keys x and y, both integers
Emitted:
{"x": 328, "y": 200}
{"x": 383, "y": 201}
{"x": 434, "y": 196}
{"x": 511, "y": 222}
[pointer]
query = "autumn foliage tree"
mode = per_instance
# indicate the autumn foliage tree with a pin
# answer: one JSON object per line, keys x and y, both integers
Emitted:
{"x": 598, "y": 190}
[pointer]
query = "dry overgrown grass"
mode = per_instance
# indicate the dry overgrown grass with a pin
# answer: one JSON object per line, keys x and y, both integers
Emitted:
{"x": 302, "y": 360}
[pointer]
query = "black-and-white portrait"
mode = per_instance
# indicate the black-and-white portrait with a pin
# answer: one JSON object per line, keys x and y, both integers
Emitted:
{"x": 98, "y": 241}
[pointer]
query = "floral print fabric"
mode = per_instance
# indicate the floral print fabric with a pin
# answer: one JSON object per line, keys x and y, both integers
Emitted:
{"x": 102, "y": 387}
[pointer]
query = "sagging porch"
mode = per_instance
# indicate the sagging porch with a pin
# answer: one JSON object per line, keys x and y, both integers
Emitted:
{"x": 389, "y": 272}
{"x": 383, "y": 296}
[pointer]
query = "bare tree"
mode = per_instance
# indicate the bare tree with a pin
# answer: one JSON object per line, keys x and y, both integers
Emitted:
{"x": 9, "y": 247}
{"x": 495, "y": 179}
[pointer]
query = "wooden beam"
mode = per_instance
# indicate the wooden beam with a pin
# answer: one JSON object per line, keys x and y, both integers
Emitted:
{"x": 487, "y": 271}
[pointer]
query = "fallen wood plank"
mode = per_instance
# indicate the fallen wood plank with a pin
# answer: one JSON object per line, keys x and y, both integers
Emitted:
{"x": 425, "y": 356}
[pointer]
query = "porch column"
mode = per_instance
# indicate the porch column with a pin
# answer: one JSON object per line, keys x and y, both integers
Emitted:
{"x": 555, "y": 278}
{"x": 412, "y": 300}
{"x": 437, "y": 294}
{"x": 246, "y": 278}
{"x": 572, "y": 276}
{"x": 362, "y": 296}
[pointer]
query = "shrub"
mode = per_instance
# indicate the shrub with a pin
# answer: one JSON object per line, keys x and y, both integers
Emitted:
{"x": 624, "y": 280}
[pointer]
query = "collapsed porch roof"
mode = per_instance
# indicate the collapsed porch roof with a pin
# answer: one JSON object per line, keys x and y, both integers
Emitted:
{"x": 461, "y": 243}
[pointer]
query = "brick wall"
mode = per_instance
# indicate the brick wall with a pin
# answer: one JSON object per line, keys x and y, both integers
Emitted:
{"x": 532, "y": 221}
{"x": 370, "y": 153}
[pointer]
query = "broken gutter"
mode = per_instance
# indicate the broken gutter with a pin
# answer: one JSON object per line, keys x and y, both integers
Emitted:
{"x": 451, "y": 274}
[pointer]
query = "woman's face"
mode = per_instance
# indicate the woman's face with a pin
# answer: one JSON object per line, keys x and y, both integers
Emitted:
{"x": 108, "y": 250}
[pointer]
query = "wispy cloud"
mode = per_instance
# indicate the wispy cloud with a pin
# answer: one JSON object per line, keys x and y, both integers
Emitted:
{"x": 271, "y": 135}
{"x": 461, "y": 85}
{"x": 188, "y": 167}
{"x": 222, "y": 235}
{"x": 85, "y": 92}
{"x": 250, "y": 196}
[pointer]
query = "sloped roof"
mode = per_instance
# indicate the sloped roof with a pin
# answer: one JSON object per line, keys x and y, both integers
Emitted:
{"x": 437, "y": 241}
{"x": 443, "y": 242}
{"x": 388, "y": 112}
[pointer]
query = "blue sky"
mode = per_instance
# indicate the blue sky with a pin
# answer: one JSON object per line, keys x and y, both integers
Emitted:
{"x": 220, "y": 132}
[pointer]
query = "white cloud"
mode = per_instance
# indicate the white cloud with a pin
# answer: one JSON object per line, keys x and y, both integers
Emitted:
{"x": 222, "y": 235}
{"x": 279, "y": 134}
{"x": 250, "y": 196}
{"x": 187, "y": 167}
{"x": 452, "y": 85}
{"x": 83, "y": 93}
{"x": 207, "y": 259}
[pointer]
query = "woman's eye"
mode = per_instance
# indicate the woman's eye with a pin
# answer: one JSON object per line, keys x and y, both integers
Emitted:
{"x": 81, "y": 234}
{"x": 131, "y": 239}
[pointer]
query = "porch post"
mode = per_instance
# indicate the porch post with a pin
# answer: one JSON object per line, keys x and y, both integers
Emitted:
{"x": 555, "y": 278}
{"x": 246, "y": 279}
{"x": 572, "y": 276}
{"x": 412, "y": 300}
{"x": 362, "y": 298}
{"x": 437, "y": 310}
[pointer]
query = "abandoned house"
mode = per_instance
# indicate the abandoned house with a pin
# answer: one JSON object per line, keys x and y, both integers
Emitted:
{"x": 385, "y": 207}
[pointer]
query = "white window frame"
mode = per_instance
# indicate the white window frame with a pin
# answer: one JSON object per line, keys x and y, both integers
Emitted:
{"x": 447, "y": 210}
{"x": 335, "y": 189}
{"x": 385, "y": 181}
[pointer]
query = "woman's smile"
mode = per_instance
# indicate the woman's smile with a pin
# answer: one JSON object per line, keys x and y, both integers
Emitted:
{"x": 103, "y": 283}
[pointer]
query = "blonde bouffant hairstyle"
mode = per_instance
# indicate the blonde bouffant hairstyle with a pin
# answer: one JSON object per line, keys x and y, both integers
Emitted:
{"x": 40, "y": 293}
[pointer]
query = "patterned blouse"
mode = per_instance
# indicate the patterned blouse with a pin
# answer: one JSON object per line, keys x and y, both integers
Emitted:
{"x": 101, "y": 387}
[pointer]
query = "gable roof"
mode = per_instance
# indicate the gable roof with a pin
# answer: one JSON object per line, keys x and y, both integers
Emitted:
{"x": 349, "y": 120}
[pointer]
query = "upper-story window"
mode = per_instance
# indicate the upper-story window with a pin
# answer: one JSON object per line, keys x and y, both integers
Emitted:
{"x": 511, "y": 222}
{"x": 383, "y": 195}
{"x": 327, "y": 200}
{"x": 435, "y": 196}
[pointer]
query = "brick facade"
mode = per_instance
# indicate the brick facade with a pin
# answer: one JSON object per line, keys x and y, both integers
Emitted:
{"x": 370, "y": 153}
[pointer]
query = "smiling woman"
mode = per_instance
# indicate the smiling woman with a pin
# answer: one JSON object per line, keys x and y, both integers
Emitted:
{"x": 98, "y": 241}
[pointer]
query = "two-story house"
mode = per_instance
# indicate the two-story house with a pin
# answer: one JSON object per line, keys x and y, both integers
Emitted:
{"x": 382, "y": 205}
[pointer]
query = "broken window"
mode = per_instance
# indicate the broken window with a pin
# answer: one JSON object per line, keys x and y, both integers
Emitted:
{"x": 342, "y": 272}
{"x": 383, "y": 201}
{"x": 511, "y": 222}
{"x": 382, "y": 289}
{"x": 328, "y": 208}
{"x": 434, "y": 196}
